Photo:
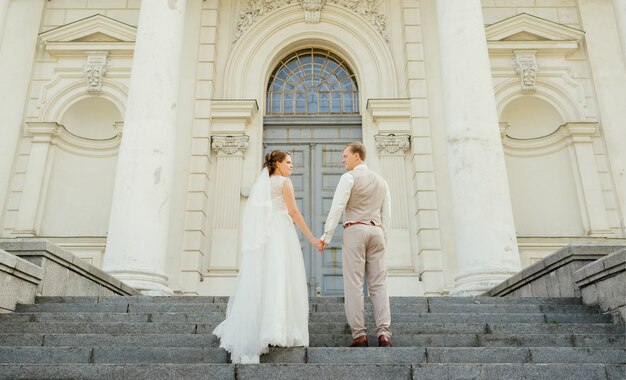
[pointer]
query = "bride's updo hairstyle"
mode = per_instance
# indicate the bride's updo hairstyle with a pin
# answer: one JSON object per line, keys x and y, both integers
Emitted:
{"x": 272, "y": 158}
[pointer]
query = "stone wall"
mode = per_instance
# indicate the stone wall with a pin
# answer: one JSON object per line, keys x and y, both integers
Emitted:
{"x": 19, "y": 280}
{"x": 553, "y": 276}
{"x": 61, "y": 273}
{"x": 603, "y": 283}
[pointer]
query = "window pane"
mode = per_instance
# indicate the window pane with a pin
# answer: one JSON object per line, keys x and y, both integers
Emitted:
{"x": 288, "y": 102}
{"x": 300, "y": 103}
{"x": 312, "y": 82}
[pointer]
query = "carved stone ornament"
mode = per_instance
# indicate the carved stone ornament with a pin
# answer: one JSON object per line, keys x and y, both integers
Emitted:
{"x": 392, "y": 144}
{"x": 526, "y": 66}
{"x": 312, "y": 9}
{"x": 254, "y": 10}
{"x": 97, "y": 64}
{"x": 230, "y": 145}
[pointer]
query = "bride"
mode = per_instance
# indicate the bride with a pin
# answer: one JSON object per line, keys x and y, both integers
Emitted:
{"x": 270, "y": 305}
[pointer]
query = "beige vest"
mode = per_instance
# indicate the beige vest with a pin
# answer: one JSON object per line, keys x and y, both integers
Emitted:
{"x": 367, "y": 197}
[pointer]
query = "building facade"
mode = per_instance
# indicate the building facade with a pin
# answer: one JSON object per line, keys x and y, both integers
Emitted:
{"x": 132, "y": 130}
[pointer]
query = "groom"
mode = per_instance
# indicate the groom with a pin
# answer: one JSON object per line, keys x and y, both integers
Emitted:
{"x": 363, "y": 198}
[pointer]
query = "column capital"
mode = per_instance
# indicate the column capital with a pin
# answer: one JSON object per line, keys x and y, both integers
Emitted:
{"x": 230, "y": 145}
{"x": 392, "y": 144}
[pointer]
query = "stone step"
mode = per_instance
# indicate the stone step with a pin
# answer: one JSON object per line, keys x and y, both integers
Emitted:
{"x": 318, "y": 340}
{"x": 469, "y": 308}
{"x": 316, "y": 300}
{"x": 112, "y": 355}
{"x": 473, "y": 318}
{"x": 315, "y": 371}
{"x": 479, "y": 340}
{"x": 118, "y": 371}
{"x": 474, "y": 328}
{"x": 518, "y": 371}
{"x": 317, "y": 328}
{"x": 122, "y": 308}
{"x": 395, "y": 355}
{"x": 189, "y": 307}
{"x": 339, "y": 317}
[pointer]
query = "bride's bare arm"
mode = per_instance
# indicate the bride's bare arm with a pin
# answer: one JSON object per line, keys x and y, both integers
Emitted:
{"x": 292, "y": 208}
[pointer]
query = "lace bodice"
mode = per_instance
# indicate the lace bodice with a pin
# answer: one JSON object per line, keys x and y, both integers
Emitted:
{"x": 276, "y": 188}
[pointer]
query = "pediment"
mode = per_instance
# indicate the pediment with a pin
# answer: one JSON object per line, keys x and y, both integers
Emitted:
{"x": 527, "y": 32}
{"x": 96, "y": 32}
{"x": 96, "y": 28}
{"x": 525, "y": 27}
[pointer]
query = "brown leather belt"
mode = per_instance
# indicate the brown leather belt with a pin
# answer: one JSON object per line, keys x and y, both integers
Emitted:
{"x": 363, "y": 223}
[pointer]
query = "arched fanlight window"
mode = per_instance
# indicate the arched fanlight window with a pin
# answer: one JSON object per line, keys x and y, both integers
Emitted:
{"x": 312, "y": 82}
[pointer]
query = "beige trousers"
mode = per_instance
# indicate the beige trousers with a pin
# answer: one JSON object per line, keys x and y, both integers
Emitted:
{"x": 364, "y": 254}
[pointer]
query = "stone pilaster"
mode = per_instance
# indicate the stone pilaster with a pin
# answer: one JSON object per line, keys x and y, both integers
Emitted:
{"x": 42, "y": 135}
{"x": 486, "y": 242}
{"x": 136, "y": 251}
{"x": 581, "y": 136}
{"x": 230, "y": 119}
{"x": 391, "y": 118}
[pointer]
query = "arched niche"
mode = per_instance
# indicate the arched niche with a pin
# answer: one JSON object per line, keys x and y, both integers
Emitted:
{"x": 81, "y": 170}
{"x": 529, "y": 117}
{"x": 92, "y": 118}
{"x": 540, "y": 170}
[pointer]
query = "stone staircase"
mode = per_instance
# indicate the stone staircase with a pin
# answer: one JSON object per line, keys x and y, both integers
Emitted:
{"x": 436, "y": 338}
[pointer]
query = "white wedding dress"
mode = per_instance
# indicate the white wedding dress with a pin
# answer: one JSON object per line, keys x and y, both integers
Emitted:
{"x": 270, "y": 305}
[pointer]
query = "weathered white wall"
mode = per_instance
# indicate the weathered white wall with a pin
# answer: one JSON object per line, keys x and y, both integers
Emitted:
{"x": 547, "y": 177}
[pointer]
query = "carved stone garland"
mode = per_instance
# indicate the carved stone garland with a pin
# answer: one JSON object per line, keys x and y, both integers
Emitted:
{"x": 97, "y": 64}
{"x": 253, "y": 10}
{"x": 526, "y": 66}
{"x": 391, "y": 144}
{"x": 230, "y": 145}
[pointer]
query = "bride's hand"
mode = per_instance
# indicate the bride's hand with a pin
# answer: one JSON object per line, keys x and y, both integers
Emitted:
{"x": 318, "y": 245}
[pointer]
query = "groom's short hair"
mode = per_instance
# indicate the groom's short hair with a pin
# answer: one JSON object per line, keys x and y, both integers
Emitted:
{"x": 357, "y": 147}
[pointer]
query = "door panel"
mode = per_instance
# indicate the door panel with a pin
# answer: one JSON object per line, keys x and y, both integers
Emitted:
{"x": 317, "y": 169}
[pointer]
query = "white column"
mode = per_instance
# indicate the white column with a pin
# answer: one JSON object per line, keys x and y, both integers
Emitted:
{"x": 138, "y": 229}
{"x": 26, "y": 223}
{"x": 609, "y": 80}
{"x": 486, "y": 243}
{"x": 619, "y": 7}
{"x": 581, "y": 135}
{"x": 4, "y": 7}
{"x": 18, "y": 45}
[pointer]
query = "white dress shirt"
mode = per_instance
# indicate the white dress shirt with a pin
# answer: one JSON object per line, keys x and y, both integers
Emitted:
{"x": 340, "y": 200}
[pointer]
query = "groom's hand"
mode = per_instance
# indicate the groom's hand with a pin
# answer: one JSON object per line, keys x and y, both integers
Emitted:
{"x": 324, "y": 244}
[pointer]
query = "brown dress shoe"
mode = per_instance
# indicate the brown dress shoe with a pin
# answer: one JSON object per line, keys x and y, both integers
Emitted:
{"x": 359, "y": 342}
{"x": 383, "y": 341}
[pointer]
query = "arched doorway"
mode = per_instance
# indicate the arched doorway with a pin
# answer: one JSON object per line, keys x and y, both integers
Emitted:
{"x": 312, "y": 111}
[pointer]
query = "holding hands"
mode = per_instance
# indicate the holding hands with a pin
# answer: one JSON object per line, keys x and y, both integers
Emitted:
{"x": 321, "y": 246}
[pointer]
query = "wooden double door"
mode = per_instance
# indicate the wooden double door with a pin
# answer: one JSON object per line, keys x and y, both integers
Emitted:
{"x": 317, "y": 159}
